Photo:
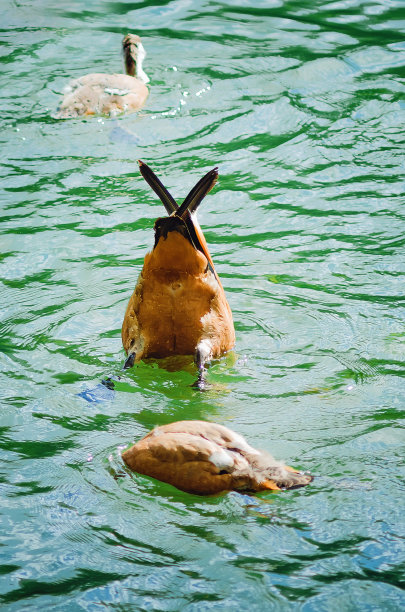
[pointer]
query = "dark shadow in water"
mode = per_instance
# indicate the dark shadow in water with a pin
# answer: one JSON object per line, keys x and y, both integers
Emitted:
{"x": 82, "y": 580}
{"x": 113, "y": 537}
{"x": 30, "y": 449}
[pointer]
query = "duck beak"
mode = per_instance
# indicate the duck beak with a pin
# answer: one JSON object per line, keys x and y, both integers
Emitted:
{"x": 187, "y": 212}
{"x": 269, "y": 485}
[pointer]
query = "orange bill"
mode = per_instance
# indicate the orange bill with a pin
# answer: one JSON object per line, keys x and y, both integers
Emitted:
{"x": 270, "y": 485}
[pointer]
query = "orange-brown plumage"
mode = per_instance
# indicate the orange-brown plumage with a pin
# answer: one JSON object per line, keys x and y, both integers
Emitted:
{"x": 109, "y": 94}
{"x": 207, "y": 458}
{"x": 179, "y": 305}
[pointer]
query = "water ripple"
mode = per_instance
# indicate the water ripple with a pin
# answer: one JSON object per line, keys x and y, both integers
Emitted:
{"x": 301, "y": 108}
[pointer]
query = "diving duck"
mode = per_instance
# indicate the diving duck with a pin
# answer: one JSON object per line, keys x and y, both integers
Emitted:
{"x": 206, "y": 458}
{"x": 109, "y": 94}
{"x": 179, "y": 305}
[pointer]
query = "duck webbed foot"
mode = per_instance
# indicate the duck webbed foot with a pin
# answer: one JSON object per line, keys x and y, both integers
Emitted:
{"x": 203, "y": 354}
{"x": 201, "y": 383}
{"x": 129, "y": 362}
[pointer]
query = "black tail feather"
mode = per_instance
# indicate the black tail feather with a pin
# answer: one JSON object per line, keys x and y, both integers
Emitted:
{"x": 198, "y": 192}
{"x": 150, "y": 177}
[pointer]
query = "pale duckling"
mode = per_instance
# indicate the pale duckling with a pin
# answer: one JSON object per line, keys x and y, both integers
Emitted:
{"x": 109, "y": 94}
{"x": 207, "y": 458}
{"x": 179, "y": 305}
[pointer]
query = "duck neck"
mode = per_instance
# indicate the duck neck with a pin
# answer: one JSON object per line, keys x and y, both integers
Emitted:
{"x": 134, "y": 57}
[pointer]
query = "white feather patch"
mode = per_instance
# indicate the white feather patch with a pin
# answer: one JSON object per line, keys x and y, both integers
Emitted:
{"x": 221, "y": 459}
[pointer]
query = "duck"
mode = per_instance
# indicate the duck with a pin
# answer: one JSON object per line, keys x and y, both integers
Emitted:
{"x": 206, "y": 458}
{"x": 179, "y": 305}
{"x": 109, "y": 94}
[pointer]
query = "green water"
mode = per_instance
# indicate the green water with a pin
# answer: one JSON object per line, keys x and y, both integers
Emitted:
{"x": 300, "y": 105}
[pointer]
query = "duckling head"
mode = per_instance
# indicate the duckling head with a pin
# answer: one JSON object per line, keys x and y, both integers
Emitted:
{"x": 254, "y": 470}
{"x": 134, "y": 55}
{"x": 266, "y": 473}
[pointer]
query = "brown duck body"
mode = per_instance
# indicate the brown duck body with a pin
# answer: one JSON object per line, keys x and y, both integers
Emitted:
{"x": 102, "y": 94}
{"x": 108, "y": 94}
{"x": 207, "y": 458}
{"x": 179, "y": 305}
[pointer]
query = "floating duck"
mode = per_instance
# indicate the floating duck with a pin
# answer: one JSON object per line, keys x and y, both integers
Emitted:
{"x": 179, "y": 305}
{"x": 207, "y": 458}
{"x": 109, "y": 94}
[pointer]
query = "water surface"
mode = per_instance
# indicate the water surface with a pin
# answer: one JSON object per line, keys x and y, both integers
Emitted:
{"x": 300, "y": 105}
